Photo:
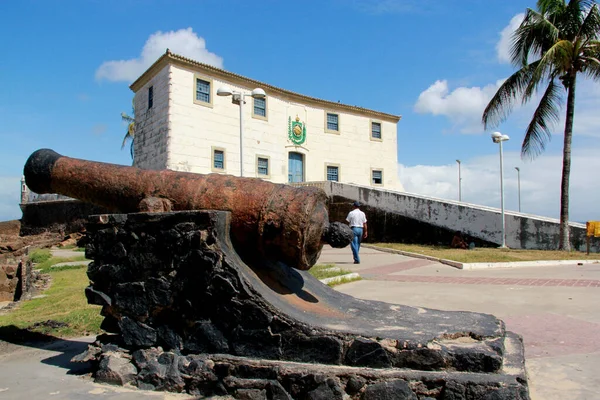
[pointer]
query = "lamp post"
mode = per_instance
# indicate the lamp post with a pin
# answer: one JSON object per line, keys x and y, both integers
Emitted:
{"x": 459, "y": 182}
{"x": 497, "y": 137}
{"x": 239, "y": 98}
{"x": 519, "y": 185}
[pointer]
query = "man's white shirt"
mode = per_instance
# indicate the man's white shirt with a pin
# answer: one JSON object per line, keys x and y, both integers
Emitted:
{"x": 356, "y": 218}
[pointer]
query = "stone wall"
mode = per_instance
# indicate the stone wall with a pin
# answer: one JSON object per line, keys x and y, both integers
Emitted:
{"x": 16, "y": 281}
{"x": 64, "y": 216}
{"x": 187, "y": 314}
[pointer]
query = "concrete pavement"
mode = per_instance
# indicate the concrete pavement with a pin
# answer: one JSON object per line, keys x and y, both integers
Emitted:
{"x": 554, "y": 308}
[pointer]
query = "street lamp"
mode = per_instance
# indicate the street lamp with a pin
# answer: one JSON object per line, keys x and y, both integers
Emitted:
{"x": 497, "y": 137}
{"x": 239, "y": 98}
{"x": 459, "y": 182}
{"x": 519, "y": 185}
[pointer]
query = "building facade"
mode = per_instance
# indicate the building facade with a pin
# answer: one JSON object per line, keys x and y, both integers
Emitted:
{"x": 183, "y": 125}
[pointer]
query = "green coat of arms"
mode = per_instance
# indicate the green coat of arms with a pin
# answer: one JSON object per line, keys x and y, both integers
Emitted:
{"x": 296, "y": 131}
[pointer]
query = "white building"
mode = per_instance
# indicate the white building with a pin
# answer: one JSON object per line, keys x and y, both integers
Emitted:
{"x": 182, "y": 125}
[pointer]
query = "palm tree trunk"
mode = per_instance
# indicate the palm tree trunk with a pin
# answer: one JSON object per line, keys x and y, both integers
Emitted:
{"x": 564, "y": 239}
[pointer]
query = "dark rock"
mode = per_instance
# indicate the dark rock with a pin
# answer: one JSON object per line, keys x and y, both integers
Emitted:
{"x": 480, "y": 360}
{"x": 329, "y": 390}
{"x": 393, "y": 390}
{"x": 137, "y": 333}
{"x": 115, "y": 370}
{"x": 206, "y": 338}
{"x": 320, "y": 349}
{"x": 130, "y": 298}
{"x": 276, "y": 392}
{"x": 110, "y": 324}
{"x": 256, "y": 343}
{"x": 91, "y": 354}
{"x": 158, "y": 291}
{"x": 421, "y": 359}
{"x": 354, "y": 384}
{"x": 251, "y": 394}
{"x": 454, "y": 391}
{"x": 169, "y": 339}
{"x": 254, "y": 317}
{"x": 367, "y": 353}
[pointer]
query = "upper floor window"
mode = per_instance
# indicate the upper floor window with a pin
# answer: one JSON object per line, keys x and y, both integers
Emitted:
{"x": 332, "y": 123}
{"x": 262, "y": 166}
{"x": 202, "y": 91}
{"x": 260, "y": 108}
{"x": 333, "y": 173}
{"x": 218, "y": 159}
{"x": 150, "y": 97}
{"x": 377, "y": 177}
{"x": 375, "y": 130}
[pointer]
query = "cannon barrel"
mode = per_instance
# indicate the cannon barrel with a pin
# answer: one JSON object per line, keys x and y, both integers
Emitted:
{"x": 274, "y": 221}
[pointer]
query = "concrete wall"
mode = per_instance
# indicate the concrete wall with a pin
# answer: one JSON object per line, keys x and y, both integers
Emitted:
{"x": 152, "y": 124}
{"x": 397, "y": 214}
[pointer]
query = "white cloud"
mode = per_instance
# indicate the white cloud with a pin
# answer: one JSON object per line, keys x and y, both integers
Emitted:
{"x": 540, "y": 183}
{"x": 463, "y": 105}
{"x": 184, "y": 42}
{"x": 10, "y": 193}
{"x": 505, "y": 43}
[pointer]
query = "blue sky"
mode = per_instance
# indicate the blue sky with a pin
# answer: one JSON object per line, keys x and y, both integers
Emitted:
{"x": 434, "y": 62}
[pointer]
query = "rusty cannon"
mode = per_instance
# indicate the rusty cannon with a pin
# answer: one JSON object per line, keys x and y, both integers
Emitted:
{"x": 274, "y": 221}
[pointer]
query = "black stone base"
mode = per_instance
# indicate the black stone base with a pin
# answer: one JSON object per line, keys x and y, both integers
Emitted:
{"x": 191, "y": 316}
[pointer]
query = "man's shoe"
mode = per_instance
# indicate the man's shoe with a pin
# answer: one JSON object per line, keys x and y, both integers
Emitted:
{"x": 356, "y": 262}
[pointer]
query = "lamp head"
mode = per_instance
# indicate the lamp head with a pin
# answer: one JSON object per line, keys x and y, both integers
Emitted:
{"x": 224, "y": 91}
{"x": 258, "y": 93}
{"x": 458, "y": 161}
{"x": 497, "y": 137}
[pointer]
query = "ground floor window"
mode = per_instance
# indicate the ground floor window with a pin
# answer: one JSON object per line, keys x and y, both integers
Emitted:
{"x": 218, "y": 159}
{"x": 377, "y": 177}
{"x": 333, "y": 173}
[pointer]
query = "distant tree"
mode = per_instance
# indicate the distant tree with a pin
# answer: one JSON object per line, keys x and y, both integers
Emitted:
{"x": 553, "y": 46}
{"x": 130, "y": 133}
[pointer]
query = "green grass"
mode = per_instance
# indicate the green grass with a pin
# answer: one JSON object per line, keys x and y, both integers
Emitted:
{"x": 40, "y": 255}
{"x": 489, "y": 254}
{"x": 320, "y": 271}
{"x": 47, "y": 265}
{"x": 64, "y": 302}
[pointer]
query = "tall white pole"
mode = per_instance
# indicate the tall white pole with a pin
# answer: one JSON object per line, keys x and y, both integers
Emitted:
{"x": 459, "y": 182}
{"x": 519, "y": 185}
{"x": 502, "y": 198}
{"x": 241, "y": 134}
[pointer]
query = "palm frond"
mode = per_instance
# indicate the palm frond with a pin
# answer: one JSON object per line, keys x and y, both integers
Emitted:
{"x": 502, "y": 103}
{"x": 590, "y": 27}
{"x": 532, "y": 38}
{"x": 547, "y": 113}
{"x": 126, "y": 118}
{"x": 556, "y": 62}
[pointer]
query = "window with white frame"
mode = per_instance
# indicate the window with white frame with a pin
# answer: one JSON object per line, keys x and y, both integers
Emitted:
{"x": 377, "y": 177}
{"x": 218, "y": 159}
{"x": 332, "y": 123}
{"x": 202, "y": 91}
{"x": 333, "y": 173}
{"x": 376, "y": 130}
{"x": 262, "y": 166}
{"x": 150, "y": 97}
{"x": 260, "y": 108}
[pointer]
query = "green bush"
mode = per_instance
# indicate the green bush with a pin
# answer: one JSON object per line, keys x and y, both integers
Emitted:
{"x": 39, "y": 255}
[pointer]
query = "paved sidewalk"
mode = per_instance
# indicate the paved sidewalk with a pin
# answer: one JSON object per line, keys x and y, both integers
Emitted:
{"x": 554, "y": 308}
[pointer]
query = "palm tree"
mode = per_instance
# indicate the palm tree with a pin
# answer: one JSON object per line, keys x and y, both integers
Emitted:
{"x": 553, "y": 46}
{"x": 130, "y": 134}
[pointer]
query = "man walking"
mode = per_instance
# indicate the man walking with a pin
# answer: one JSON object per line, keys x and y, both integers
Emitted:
{"x": 358, "y": 223}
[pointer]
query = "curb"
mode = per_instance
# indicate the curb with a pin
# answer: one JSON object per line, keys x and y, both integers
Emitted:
{"x": 484, "y": 265}
{"x": 338, "y": 278}
{"x": 451, "y": 263}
